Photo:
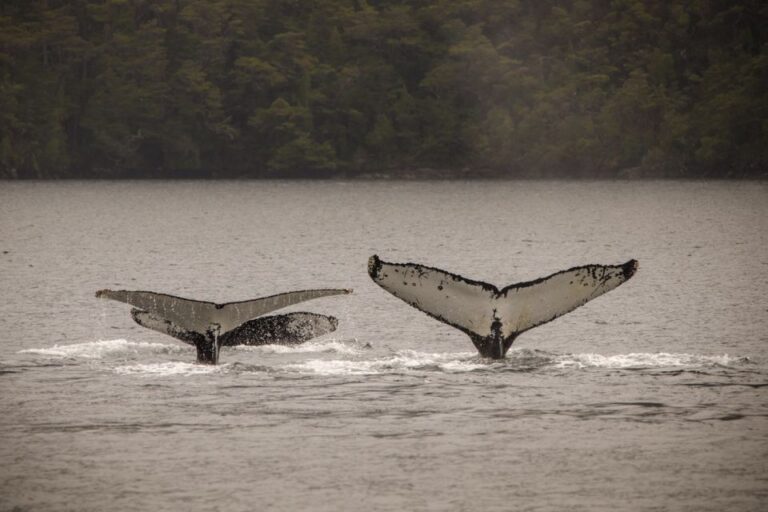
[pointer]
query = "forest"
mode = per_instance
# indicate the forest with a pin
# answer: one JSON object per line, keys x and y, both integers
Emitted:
{"x": 399, "y": 88}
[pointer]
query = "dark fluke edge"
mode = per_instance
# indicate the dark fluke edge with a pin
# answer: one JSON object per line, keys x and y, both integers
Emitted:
{"x": 209, "y": 326}
{"x": 493, "y": 318}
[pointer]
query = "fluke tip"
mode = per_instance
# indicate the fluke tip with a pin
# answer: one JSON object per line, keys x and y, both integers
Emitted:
{"x": 374, "y": 265}
{"x": 630, "y": 268}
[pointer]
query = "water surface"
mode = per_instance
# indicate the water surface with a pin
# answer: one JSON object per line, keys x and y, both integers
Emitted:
{"x": 652, "y": 397}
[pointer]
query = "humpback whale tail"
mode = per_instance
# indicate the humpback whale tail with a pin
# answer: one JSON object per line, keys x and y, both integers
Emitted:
{"x": 491, "y": 317}
{"x": 287, "y": 329}
{"x": 208, "y": 326}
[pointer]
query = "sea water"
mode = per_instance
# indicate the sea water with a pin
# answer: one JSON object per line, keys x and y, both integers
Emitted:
{"x": 651, "y": 397}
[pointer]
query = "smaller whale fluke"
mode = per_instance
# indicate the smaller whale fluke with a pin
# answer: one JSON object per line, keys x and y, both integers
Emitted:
{"x": 208, "y": 326}
{"x": 493, "y": 318}
{"x": 287, "y": 329}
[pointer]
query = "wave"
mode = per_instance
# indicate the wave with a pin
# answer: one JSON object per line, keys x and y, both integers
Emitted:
{"x": 106, "y": 348}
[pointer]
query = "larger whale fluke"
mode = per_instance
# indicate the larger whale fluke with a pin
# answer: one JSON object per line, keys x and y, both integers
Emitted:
{"x": 208, "y": 325}
{"x": 491, "y": 317}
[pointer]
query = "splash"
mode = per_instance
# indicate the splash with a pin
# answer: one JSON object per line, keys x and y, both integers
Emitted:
{"x": 105, "y": 348}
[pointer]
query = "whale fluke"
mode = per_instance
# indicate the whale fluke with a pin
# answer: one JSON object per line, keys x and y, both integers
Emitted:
{"x": 491, "y": 317}
{"x": 287, "y": 329}
{"x": 208, "y": 325}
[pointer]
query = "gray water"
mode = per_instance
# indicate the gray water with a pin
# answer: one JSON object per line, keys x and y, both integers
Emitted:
{"x": 652, "y": 397}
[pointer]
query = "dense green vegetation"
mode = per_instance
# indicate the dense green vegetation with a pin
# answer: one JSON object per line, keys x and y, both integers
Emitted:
{"x": 267, "y": 88}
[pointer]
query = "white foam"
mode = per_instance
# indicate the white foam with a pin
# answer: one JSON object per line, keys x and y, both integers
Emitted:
{"x": 641, "y": 360}
{"x": 348, "y": 347}
{"x": 410, "y": 360}
{"x": 461, "y": 366}
{"x": 403, "y": 360}
{"x": 104, "y": 348}
{"x": 169, "y": 369}
{"x": 334, "y": 367}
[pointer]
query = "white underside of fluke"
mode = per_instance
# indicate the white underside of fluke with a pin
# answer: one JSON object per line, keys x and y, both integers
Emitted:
{"x": 474, "y": 307}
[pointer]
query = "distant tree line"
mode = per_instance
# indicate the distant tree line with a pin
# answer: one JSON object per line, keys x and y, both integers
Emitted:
{"x": 318, "y": 88}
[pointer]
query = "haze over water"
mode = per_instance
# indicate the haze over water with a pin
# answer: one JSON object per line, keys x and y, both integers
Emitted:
{"x": 652, "y": 397}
